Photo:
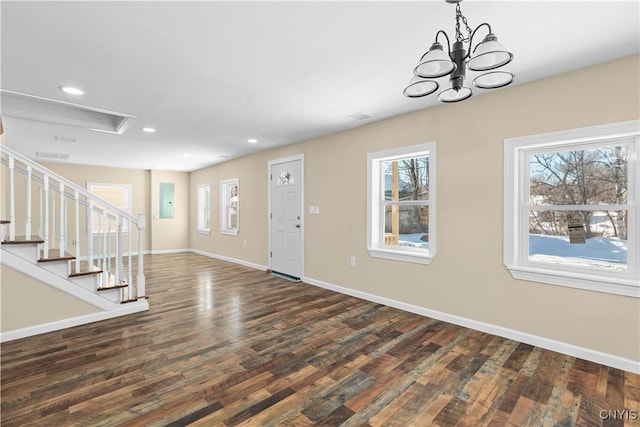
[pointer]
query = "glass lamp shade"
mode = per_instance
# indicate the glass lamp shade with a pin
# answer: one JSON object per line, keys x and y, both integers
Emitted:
{"x": 493, "y": 79}
{"x": 434, "y": 63}
{"x": 489, "y": 54}
{"x": 420, "y": 87}
{"x": 452, "y": 95}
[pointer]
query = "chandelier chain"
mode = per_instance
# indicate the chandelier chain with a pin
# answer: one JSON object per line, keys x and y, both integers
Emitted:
{"x": 459, "y": 16}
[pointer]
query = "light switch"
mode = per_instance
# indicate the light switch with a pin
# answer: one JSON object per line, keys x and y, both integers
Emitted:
{"x": 314, "y": 210}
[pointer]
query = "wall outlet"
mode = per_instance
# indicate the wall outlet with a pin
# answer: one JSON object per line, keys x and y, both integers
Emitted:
{"x": 353, "y": 261}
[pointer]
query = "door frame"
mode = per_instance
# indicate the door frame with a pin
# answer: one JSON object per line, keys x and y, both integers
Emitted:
{"x": 270, "y": 164}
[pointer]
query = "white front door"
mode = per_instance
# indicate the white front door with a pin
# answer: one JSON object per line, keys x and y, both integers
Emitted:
{"x": 285, "y": 219}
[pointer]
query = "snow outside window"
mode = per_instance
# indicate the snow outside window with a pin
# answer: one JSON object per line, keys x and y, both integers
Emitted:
{"x": 571, "y": 208}
{"x": 118, "y": 195}
{"x": 401, "y": 203}
{"x": 203, "y": 208}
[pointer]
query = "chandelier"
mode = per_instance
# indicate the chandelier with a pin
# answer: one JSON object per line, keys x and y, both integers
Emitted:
{"x": 487, "y": 56}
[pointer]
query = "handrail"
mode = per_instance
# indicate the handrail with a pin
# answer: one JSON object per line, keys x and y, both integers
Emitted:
{"x": 67, "y": 183}
{"x": 71, "y": 195}
{"x": 114, "y": 219}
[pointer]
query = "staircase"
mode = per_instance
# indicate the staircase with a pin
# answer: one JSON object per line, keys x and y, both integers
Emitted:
{"x": 60, "y": 234}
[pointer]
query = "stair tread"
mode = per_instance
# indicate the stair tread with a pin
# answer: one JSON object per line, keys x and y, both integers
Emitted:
{"x": 4, "y": 221}
{"x": 85, "y": 269}
{"x": 21, "y": 240}
{"x": 106, "y": 288}
{"x": 134, "y": 299}
{"x": 54, "y": 255}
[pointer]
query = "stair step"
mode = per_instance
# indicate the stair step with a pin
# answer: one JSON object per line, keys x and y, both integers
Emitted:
{"x": 54, "y": 255}
{"x": 133, "y": 300}
{"x": 4, "y": 221}
{"x": 106, "y": 288}
{"x": 22, "y": 240}
{"x": 85, "y": 269}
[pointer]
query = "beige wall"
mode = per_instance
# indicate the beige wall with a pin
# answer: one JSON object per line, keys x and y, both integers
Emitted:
{"x": 25, "y": 302}
{"x": 467, "y": 277}
{"x": 170, "y": 233}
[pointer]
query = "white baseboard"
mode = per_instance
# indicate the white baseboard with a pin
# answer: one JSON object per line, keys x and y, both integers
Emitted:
{"x": 168, "y": 251}
{"x": 542, "y": 342}
{"x": 124, "y": 309}
{"x": 233, "y": 260}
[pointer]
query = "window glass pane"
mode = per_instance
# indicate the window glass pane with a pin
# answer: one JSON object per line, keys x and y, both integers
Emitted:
{"x": 118, "y": 195}
{"x": 580, "y": 177}
{"x": 406, "y": 226}
{"x": 596, "y": 239}
{"x": 406, "y": 179}
{"x": 204, "y": 205}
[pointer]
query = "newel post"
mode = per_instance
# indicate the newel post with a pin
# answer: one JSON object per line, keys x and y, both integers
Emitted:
{"x": 140, "y": 284}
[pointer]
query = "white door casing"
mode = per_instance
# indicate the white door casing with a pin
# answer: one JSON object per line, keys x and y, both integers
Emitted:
{"x": 286, "y": 219}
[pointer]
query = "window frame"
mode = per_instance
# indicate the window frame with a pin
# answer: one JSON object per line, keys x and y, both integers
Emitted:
{"x": 128, "y": 201}
{"x": 225, "y": 203}
{"x": 376, "y": 204}
{"x": 516, "y": 201}
{"x": 203, "y": 211}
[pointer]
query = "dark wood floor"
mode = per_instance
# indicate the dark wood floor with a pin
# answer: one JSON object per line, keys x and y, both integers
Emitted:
{"x": 227, "y": 345}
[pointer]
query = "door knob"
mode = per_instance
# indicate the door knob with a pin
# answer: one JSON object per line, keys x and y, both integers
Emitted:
{"x": 297, "y": 225}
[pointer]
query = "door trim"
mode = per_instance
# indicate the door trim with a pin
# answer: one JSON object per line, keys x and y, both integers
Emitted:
{"x": 270, "y": 164}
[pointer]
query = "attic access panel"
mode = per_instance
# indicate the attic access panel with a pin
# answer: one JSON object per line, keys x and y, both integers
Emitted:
{"x": 30, "y": 107}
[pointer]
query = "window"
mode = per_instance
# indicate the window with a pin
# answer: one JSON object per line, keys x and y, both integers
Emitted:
{"x": 571, "y": 208}
{"x": 229, "y": 206}
{"x": 203, "y": 207}
{"x": 401, "y": 203}
{"x": 119, "y": 195}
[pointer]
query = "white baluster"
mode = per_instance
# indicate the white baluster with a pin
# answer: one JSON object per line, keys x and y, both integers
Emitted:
{"x": 140, "y": 283}
{"x": 105, "y": 254}
{"x": 130, "y": 267}
{"x": 27, "y": 225}
{"x": 100, "y": 253}
{"x": 118, "y": 261}
{"x": 53, "y": 217}
{"x": 40, "y": 207}
{"x": 62, "y": 221}
{"x": 77, "y": 239}
{"x": 90, "y": 233}
{"x": 46, "y": 217}
{"x": 12, "y": 200}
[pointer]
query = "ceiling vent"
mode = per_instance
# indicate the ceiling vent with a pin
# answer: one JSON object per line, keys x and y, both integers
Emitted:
{"x": 359, "y": 116}
{"x": 52, "y": 156}
{"x": 30, "y": 107}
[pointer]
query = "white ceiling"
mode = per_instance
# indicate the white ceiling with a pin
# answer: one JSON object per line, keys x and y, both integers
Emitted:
{"x": 209, "y": 75}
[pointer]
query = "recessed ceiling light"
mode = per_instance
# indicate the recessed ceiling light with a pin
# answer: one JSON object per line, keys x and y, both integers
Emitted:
{"x": 252, "y": 141}
{"x": 186, "y": 154}
{"x": 71, "y": 90}
{"x": 148, "y": 130}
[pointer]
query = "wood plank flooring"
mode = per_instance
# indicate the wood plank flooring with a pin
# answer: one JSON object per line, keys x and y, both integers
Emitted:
{"x": 227, "y": 345}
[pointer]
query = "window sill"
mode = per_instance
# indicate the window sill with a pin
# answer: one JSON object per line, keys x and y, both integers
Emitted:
{"x": 203, "y": 231}
{"x": 404, "y": 256}
{"x": 617, "y": 286}
{"x": 229, "y": 232}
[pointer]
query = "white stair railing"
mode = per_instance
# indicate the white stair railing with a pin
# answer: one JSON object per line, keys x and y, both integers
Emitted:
{"x": 103, "y": 236}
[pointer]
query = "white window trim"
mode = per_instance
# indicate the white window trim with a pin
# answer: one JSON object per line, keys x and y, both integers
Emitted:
{"x": 516, "y": 179}
{"x": 224, "y": 185}
{"x": 374, "y": 187}
{"x": 206, "y": 208}
{"x": 128, "y": 209}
